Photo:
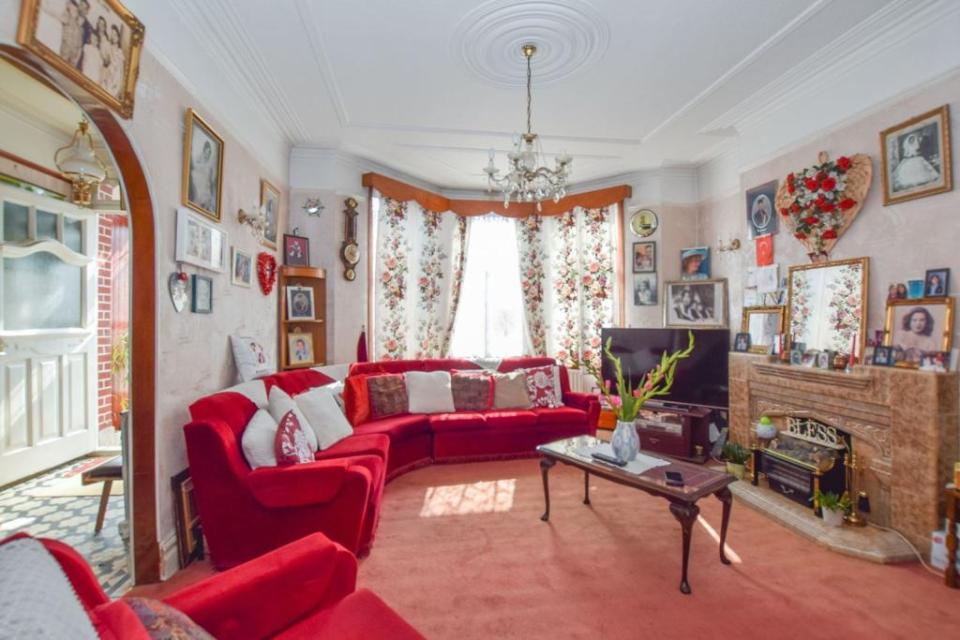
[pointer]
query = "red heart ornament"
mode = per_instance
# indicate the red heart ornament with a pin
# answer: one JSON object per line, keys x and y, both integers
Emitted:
{"x": 266, "y": 271}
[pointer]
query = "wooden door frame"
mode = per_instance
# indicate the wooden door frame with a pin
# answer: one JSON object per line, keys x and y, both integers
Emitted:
{"x": 143, "y": 312}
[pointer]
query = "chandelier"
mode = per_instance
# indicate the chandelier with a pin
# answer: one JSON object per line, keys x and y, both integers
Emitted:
{"x": 78, "y": 162}
{"x": 528, "y": 179}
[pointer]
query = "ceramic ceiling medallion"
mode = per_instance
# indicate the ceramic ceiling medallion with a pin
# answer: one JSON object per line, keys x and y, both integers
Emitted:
{"x": 266, "y": 271}
{"x": 818, "y": 204}
{"x": 177, "y": 285}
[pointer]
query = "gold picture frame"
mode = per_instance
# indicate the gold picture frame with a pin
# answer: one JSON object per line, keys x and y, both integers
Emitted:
{"x": 68, "y": 56}
{"x": 864, "y": 264}
{"x": 748, "y": 312}
{"x": 904, "y": 144}
{"x": 909, "y": 348}
{"x": 197, "y": 191}
{"x": 300, "y": 349}
{"x": 270, "y": 205}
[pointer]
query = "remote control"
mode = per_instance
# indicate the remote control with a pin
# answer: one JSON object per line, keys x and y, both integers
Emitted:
{"x": 602, "y": 457}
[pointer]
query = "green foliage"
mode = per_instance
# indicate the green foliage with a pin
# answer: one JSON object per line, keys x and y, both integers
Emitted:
{"x": 735, "y": 453}
{"x": 832, "y": 501}
{"x": 657, "y": 381}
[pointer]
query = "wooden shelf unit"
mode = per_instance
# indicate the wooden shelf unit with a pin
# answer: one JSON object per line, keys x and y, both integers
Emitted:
{"x": 316, "y": 279}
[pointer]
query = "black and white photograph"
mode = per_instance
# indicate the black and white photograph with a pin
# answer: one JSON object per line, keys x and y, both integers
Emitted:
{"x": 695, "y": 304}
{"x": 916, "y": 157}
{"x": 300, "y": 303}
{"x": 96, "y": 43}
{"x": 644, "y": 257}
{"x": 936, "y": 283}
{"x": 915, "y": 328}
{"x": 200, "y": 242}
{"x": 242, "y": 272}
{"x": 883, "y": 356}
{"x": 270, "y": 206}
{"x": 796, "y": 357}
{"x": 741, "y": 344}
{"x": 202, "y": 301}
{"x": 645, "y": 289}
{"x": 761, "y": 212}
{"x": 202, "y": 167}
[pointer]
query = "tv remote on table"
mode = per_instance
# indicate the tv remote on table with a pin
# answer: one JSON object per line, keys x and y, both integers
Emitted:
{"x": 602, "y": 457}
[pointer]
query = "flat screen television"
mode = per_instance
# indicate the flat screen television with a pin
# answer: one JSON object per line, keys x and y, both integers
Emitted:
{"x": 701, "y": 379}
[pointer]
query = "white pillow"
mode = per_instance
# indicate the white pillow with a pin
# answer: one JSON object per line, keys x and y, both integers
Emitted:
{"x": 324, "y": 416}
{"x": 258, "y": 440}
{"x": 250, "y": 357}
{"x": 429, "y": 392}
{"x": 280, "y": 403}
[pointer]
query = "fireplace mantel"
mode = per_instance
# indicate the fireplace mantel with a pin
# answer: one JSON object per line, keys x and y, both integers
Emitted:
{"x": 904, "y": 424}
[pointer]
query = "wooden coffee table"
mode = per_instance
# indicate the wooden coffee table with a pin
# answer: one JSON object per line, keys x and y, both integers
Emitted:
{"x": 698, "y": 482}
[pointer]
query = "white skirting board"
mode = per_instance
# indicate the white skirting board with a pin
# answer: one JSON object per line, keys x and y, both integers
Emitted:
{"x": 169, "y": 557}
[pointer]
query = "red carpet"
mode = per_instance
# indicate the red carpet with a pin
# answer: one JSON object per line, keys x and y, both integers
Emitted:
{"x": 461, "y": 560}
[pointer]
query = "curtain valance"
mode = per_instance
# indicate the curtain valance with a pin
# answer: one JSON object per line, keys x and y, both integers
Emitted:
{"x": 435, "y": 202}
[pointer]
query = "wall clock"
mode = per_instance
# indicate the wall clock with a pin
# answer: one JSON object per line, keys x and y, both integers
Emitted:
{"x": 644, "y": 222}
{"x": 350, "y": 250}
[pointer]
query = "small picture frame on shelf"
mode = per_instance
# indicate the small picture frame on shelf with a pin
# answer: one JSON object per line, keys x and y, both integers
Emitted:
{"x": 202, "y": 298}
{"x": 883, "y": 356}
{"x": 796, "y": 357}
{"x": 296, "y": 250}
{"x": 824, "y": 358}
{"x": 936, "y": 283}
{"x": 741, "y": 344}
{"x": 938, "y": 361}
{"x": 810, "y": 358}
{"x": 300, "y": 349}
{"x": 300, "y": 303}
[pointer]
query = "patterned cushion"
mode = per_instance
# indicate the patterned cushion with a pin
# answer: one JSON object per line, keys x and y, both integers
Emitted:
{"x": 291, "y": 446}
{"x": 472, "y": 391}
{"x": 510, "y": 391}
{"x": 543, "y": 385}
{"x": 163, "y": 622}
{"x": 388, "y": 395}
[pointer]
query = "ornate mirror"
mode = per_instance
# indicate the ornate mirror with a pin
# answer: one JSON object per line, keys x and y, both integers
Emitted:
{"x": 827, "y": 305}
{"x": 763, "y": 324}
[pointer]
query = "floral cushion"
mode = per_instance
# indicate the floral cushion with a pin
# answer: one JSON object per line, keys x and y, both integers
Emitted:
{"x": 291, "y": 446}
{"x": 388, "y": 395}
{"x": 472, "y": 391}
{"x": 543, "y": 386}
{"x": 163, "y": 622}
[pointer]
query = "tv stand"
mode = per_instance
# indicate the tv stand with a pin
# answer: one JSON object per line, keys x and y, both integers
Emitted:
{"x": 676, "y": 430}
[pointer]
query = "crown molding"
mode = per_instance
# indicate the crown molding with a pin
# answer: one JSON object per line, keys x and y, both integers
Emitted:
{"x": 325, "y": 69}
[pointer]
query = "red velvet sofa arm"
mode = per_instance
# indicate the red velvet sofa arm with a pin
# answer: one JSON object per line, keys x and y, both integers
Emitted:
{"x": 300, "y": 484}
{"x": 260, "y": 598}
{"x": 586, "y": 402}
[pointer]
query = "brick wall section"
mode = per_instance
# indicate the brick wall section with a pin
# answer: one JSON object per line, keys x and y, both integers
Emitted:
{"x": 104, "y": 316}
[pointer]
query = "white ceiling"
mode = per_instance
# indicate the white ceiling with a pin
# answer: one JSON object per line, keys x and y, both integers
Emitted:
{"x": 427, "y": 86}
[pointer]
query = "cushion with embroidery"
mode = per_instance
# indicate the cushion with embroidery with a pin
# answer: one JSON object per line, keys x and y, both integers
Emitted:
{"x": 250, "y": 357}
{"x": 291, "y": 446}
{"x": 472, "y": 391}
{"x": 388, "y": 395}
{"x": 163, "y": 622}
{"x": 543, "y": 386}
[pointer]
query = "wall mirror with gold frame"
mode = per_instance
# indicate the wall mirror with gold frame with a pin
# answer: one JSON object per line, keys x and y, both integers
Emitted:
{"x": 763, "y": 324}
{"x": 827, "y": 305}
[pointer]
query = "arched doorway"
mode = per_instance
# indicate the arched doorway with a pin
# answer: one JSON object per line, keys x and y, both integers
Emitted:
{"x": 143, "y": 316}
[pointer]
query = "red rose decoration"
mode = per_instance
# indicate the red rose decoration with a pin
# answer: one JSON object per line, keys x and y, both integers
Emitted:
{"x": 848, "y": 203}
{"x": 827, "y": 207}
{"x": 828, "y": 184}
{"x": 811, "y": 220}
{"x": 795, "y": 207}
{"x": 799, "y": 235}
{"x": 844, "y": 162}
{"x": 829, "y": 234}
{"x": 791, "y": 188}
{"x": 821, "y": 176}
{"x": 784, "y": 211}
{"x": 810, "y": 184}
{"x": 791, "y": 178}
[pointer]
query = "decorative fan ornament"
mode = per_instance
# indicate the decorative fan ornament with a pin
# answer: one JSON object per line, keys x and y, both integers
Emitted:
{"x": 819, "y": 203}
{"x": 266, "y": 271}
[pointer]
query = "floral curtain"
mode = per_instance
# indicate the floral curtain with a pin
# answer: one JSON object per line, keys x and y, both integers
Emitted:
{"x": 419, "y": 261}
{"x": 567, "y": 265}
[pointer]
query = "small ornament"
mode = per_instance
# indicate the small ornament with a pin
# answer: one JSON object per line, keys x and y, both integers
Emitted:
{"x": 266, "y": 271}
{"x": 179, "y": 293}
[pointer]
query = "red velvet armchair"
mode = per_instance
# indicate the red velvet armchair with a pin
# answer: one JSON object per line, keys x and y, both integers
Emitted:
{"x": 303, "y": 590}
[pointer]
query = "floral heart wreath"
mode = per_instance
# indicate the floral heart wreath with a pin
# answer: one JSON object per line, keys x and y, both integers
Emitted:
{"x": 818, "y": 200}
{"x": 266, "y": 271}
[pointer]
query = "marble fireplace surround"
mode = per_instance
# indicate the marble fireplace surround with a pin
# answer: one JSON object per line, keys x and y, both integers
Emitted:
{"x": 904, "y": 425}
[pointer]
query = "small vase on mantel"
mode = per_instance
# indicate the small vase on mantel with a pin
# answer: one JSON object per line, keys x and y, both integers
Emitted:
{"x": 625, "y": 441}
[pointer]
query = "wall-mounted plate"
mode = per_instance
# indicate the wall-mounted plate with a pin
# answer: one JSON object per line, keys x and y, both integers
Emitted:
{"x": 644, "y": 222}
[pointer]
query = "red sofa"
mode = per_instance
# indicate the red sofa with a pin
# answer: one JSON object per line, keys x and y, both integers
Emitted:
{"x": 246, "y": 513}
{"x": 303, "y": 590}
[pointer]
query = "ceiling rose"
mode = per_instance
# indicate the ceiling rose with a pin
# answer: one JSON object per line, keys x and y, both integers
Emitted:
{"x": 568, "y": 34}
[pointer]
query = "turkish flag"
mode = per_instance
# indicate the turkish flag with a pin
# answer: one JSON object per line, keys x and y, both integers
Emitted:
{"x": 764, "y": 250}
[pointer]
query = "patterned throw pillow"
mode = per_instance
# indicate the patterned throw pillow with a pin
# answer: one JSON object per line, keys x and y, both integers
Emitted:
{"x": 291, "y": 444}
{"x": 510, "y": 391}
{"x": 388, "y": 395}
{"x": 163, "y": 622}
{"x": 472, "y": 391}
{"x": 543, "y": 385}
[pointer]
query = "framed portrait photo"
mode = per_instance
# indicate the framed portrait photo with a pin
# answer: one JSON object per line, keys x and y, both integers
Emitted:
{"x": 270, "y": 205}
{"x": 761, "y": 212}
{"x": 883, "y": 356}
{"x": 915, "y": 328}
{"x": 916, "y": 157}
{"x": 199, "y": 242}
{"x": 690, "y": 304}
{"x": 936, "y": 283}
{"x": 296, "y": 250}
{"x": 300, "y": 303}
{"x": 202, "y": 179}
{"x": 300, "y": 349}
{"x": 202, "y": 299}
{"x": 644, "y": 257}
{"x": 741, "y": 344}
{"x": 95, "y": 43}
{"x": 241, "y": 271}
{"x": 645, "y": 289}
{"x": 695, "y": 263}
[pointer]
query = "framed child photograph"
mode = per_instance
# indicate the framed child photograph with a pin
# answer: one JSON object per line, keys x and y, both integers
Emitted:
{"x": 199, "y": 242}
{"x": 202, "y": 299}
{"x": 645, "y": 289}
{"x": 296, "y": 250}
{"x": 241, "y": 274}
{"x": 644, "y": 257}
{"x": 741, "y": 344}
{"x": 937, "y": 283}
{"x": 695, "y": 263}
{"x": 300, "y": 303}
{"x": 300, "y": 348}
{"x": 916, "y": 157}
{"x": 270, "y": 206}
{"x": 202, "y": 180}
{"x": 883, "y": 356}
{"x": 695, "y": 304}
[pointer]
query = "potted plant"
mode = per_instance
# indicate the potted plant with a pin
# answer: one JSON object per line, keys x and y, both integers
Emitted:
{"x": 736, "y": 457}
{"x": 628, "y": 401}
{"x": 832, "y": 507}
